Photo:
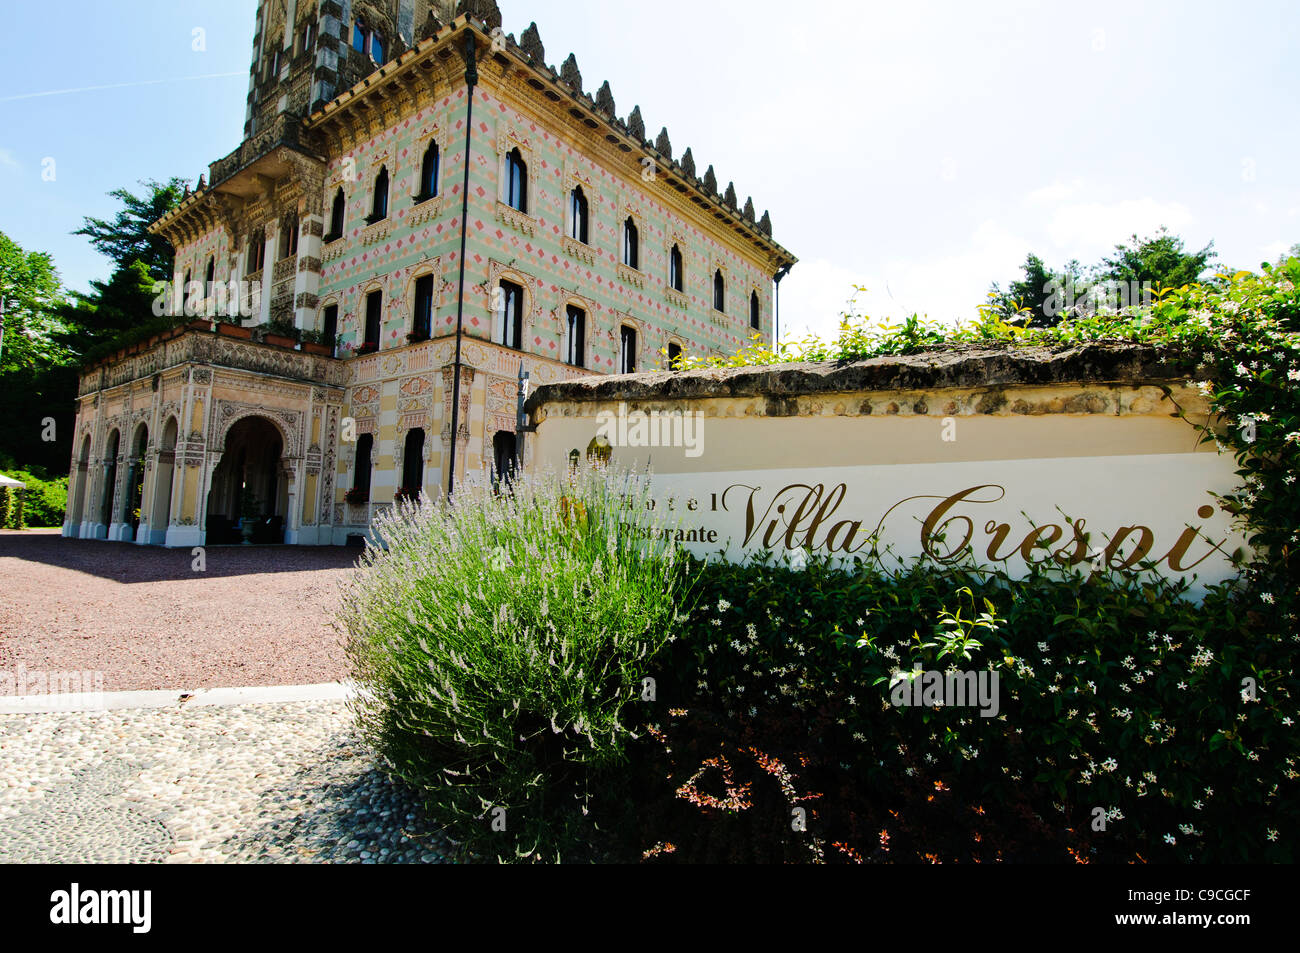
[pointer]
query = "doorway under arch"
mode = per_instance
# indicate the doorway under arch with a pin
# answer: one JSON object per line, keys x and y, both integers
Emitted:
{"x": 160, "y": 505}
{"x": 131, "y": 511}
{"x": 110, "y": 479}
{"x": 77, "y": 489}
{"x": 249, "y": 484}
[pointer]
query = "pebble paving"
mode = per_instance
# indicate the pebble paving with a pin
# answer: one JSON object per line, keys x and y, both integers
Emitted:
{"x": 281, "y": 783}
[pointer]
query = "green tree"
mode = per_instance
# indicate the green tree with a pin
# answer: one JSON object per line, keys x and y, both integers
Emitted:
{"x": 96, "y": 321}
{"x": 37, "y": 376}
{"x": 1160, "y": 260}
{"x": 126, "y": 238}
{"x": 1035, "y": 300}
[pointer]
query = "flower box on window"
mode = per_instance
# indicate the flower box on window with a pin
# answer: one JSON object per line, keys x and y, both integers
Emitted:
{"x": 357, "y": 496}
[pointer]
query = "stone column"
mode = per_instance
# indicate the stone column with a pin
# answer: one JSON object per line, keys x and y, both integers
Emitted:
{"x": 268, "y": 270}
{"x": 306, "y": 281}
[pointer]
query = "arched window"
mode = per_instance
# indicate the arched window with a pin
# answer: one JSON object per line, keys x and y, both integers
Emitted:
{"x": 413, "y": 464}
{"x": 516, "y": 181}
{"x": 674, "y": 354}
{"x": 336, "y": 217}
{"x": 210, "y": 277}
{"x": 675, "y": 276}
{"x": 508, "y": 325}
{"x": 578, "y": 215}
{"x": 188, "y": 305}
{"x": 329, "y": 325}
{"x": 422, "y": 318}
{"x": 360, "y": 36}
{"x": 626, "y": 350}
{"x": 256, "y": 251}
{"x": 379, "y": 210}
{"x": 719, "y": 292}
{"x": 289, "y": 236}
{"x": 753, "y": 310}
{"x": 575, "y": 336}
{"x": 631, "y": 244}
{"x": 429, "y": 173}
{"x": 361, "y": 468}
{"x": 374, "y": 315}
{"x": 377, "y": 47}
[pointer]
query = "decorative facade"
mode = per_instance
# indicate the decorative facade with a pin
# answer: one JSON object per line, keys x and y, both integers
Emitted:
{"x": 421, "y": 210}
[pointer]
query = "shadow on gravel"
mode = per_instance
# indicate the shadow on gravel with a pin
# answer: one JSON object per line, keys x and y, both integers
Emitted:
{"x": 128, "y": 563}
{"x": 339, "y": 809}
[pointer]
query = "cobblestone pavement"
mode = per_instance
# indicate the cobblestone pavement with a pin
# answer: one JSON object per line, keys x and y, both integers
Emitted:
{"x": 284, "y": 783}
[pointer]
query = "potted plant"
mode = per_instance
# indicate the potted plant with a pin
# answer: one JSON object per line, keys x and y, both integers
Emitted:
{"x": 314, "y": 342}
{"x": 407, "y": 494}
{"x": 280, "y": 334}
{"x": 232, "y": 330}
{"x": 357, "y": 496}
{"x": 250, "y": 508}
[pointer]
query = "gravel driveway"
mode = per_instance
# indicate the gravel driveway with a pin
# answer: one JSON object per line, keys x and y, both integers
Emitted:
{"x": 145, "y": 619}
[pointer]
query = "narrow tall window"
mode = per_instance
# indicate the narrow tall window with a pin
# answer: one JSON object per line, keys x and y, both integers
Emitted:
{"x": 377, "y": 47}
{"x": 336, "y": 217}
{"x": 429, "y": 173}
{"x": 330, "y": 328}
{"x": 374, "y": 312}
{"x": 675, "y": 269}
{"x": 379, "y": 210}
{"x": 361, "y": 469}
{"x": 293, "y": 235}
{"x": 516, "y": 181}
{"x": 508, "y": 327}
{"x": 413, "y": 462}
{"x": 359, "y": 36}
{"x": 631, "y": 244}
{"x": 422, "y": 320}
{"x": 210, "y": 277}
{"x": 674, "y": 354}
{"x": 575, "y": 336}
{"x": 627, "y": 350}
{"x": 754, "y": 311}
{"x": 307, "y": 36}
{"x": 719, "y": 292}
{"x": 578, "y": 215}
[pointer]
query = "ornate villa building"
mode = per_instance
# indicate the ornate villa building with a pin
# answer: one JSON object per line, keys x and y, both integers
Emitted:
{"x": 421, "y": 209}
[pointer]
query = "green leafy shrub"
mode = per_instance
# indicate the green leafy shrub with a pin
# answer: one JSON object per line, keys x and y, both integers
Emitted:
{"x": 42, "y": 503}
{"x": 1115, "y": 694}
{"x": 502, "y": 641}
{"x": 1177, "y": 721}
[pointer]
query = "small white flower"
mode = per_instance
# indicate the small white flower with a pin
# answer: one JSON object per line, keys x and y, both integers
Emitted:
{"x": 1169, "y": 839}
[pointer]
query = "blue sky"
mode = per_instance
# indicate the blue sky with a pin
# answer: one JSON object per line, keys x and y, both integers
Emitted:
{"x": 919, "y": 149}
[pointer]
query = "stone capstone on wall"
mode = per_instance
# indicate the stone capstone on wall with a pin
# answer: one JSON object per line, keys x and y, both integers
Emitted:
{"x": 1087, "y": 379}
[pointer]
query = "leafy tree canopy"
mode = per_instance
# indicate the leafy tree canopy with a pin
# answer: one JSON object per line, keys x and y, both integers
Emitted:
{"x": 126, "y": 238}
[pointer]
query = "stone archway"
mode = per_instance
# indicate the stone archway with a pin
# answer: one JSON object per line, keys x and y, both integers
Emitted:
{"x": 160, "y": 499}
{"x": 108, "y": 489}
{"x": 251, "y": 470}
{"x": 133, "y": 498}
{"x": 77, "y": 490}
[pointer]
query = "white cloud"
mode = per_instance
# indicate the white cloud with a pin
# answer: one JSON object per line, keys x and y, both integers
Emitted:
{"x": 7, "y": 159}
{"x": 1088, "y": 226}
{"x": 946, "y": 288}
{"x": 1055, "y": 193}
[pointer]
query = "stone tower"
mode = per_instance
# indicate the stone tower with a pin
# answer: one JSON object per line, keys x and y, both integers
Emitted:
{"x": 306, "y": 52}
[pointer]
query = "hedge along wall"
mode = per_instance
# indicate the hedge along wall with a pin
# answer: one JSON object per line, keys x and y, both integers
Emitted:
{"x": 1086, "y": 457}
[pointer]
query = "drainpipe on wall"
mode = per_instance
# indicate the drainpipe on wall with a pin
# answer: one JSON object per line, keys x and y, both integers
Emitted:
{"x": 471, "y": 80}
{"x": 776, "y": 333}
